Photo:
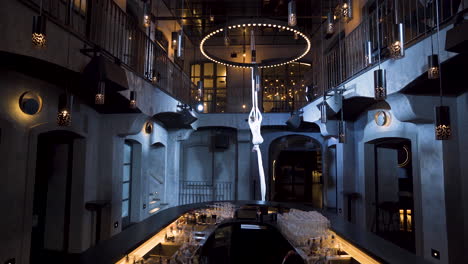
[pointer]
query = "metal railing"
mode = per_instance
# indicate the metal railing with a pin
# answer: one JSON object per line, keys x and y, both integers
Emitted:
{"x": 203, "y": 191}
{"x": 102, "y": 24}
{"x": 346, "y": 57}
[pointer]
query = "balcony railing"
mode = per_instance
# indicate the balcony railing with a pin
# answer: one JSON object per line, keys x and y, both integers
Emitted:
{"x": 346, "y": 56}
{"x": 203, "y": 191}
{"x": 103, "y": 24}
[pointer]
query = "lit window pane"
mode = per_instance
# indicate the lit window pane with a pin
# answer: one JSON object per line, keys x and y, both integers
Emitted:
{"x": 209, "y": 69}
{"x": 221, "y": 82}
{"x": 125, "y": 208}
{"x": 209, "y": 83}
{"x": 221, "y": 70}
{"x": 196, "y": 70}
{"x": 127, "y": 153}
{"x": 125, "y": 190}
{"x": 126, "y": 173}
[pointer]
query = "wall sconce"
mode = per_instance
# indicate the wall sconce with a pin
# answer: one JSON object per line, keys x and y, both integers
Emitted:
{"x": 133, "y": 99}
{"x": 443, "y": 129}
{"x": 174, "y": 37}
{"x": 64, "y": 110}
{"x": 30, "y": 103}
{"x": 368, "y": 50}
{"x": 330, "y": 30}
{"x": 397, "y": 49}
{"x": 346, "y": 10}
{"x": 149, "y": 127}
{"x": 292, "y": 15}
{"x": 100, "y": 96}
{"x": 433, "y": 66}
{"x": 380, "y": 84}
{"x": 39, "y": 39}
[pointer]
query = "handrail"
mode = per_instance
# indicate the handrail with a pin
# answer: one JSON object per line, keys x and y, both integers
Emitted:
{"x": 101, "y": 23}
{"x": 418, "y": 22}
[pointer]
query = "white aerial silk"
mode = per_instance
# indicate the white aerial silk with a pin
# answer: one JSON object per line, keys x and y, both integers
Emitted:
{"x": 255, "y": 123}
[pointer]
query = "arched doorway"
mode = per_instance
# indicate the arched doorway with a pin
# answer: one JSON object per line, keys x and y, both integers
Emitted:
{"x": 296, "y": 170}
{"x": 391, "y": 192}
{"x": 58, "y": 154}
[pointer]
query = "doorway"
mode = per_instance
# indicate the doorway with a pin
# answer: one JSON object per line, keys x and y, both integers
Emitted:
{"x": 296, "y": 170}
{"x": 50, "y": 235}
{"x": 393, "y": 192}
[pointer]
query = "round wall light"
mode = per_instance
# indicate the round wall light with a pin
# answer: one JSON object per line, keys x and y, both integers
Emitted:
{"x": 149, "y": 127}
{"x": 382, "y": 118}
{"x": 30, "y": 103}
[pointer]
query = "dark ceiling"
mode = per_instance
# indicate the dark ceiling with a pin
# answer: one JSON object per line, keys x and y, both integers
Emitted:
{"x": 197, "y": 13}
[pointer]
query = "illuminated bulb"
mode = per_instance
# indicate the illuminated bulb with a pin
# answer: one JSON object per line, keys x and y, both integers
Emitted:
{"x": 99, "y": 98}
{"x": 146, "y": 21}
{"x": 38, "y": 37}
{"x": 244, "y": 106}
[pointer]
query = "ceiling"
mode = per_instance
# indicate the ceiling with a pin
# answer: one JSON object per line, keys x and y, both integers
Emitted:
{"x": 197, "y": 14}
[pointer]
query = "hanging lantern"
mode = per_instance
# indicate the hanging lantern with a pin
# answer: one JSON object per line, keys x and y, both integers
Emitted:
{"x": 99, "y": 98}
{"x": 146, "y": 21}
{"x": 227, "y": 41}
{"x": 133, "y": 99}
{"x": 346, "y": 10}
{"x": 330, "y": 30}
{"x": 397, "y": 49}
{"x": 443, "y": 129}
{"x": 368, "y": 56}
{"x": 296, "y": 36}
{"x": 200, "y": 90}
{"x": 155, "y": 77}
{"x": 433, "y": 66}
{"x": 212, "y": 18}
{"x": 39, "y": 39}
{"x": 174, "y": 37}
{"x": 180, "y": 44}
{"x": 64, "y": 110}
{"x": 292, "y": 15}
{"x": 380, "y": 84}
{"x": 342, "y": 131}
{"x": 323, "y": 112}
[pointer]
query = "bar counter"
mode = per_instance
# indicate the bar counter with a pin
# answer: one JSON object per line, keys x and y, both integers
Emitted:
{"x": 117, "y": 247}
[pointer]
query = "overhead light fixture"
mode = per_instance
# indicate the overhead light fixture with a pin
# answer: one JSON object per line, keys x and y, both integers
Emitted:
{"x": 433, "y": 66}
{"x": 443, "y": 128}
{"x": 380, "y": 84}
{"x": 292, "y": 14}
{"x": 347, "y": 11}
{"x": 133, "y": 99}
{"x": 397, "y": 49}
{"x": 262, "y": 23}
{"x": 100, "y": 96}
{"x": 212, "y": 18}
{"x": 64, "y": 113}
{"x": 38, "y": 38}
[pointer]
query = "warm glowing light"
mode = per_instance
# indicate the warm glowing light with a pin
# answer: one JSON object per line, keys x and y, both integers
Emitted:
{"x": 146, "y": 21}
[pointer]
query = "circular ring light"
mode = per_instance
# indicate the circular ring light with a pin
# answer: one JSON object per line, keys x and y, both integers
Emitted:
{"x": 256, "y": 23}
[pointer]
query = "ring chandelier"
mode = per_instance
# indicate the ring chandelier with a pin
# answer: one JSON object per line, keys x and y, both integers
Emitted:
{"x": 256, "y": 23}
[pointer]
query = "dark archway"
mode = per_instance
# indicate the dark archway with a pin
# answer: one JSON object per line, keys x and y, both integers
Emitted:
{"x": 57, "y": 155}
{"x": 392, "y": 192}
{"x": 296, "y": 170}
